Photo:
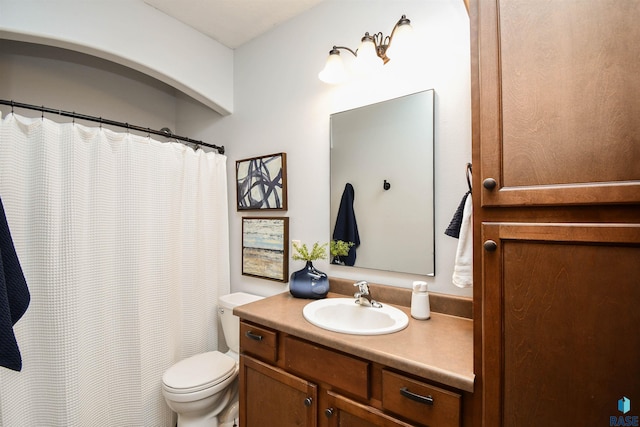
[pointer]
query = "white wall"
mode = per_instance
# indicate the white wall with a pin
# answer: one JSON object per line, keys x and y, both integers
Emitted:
{"x": 280, "y": 105}
{"x": 131, "y": 33}
{"x": 71, "y": 81}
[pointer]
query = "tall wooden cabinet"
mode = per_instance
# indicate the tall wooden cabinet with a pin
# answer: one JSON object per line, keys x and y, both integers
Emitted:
{"x": 556, "y": 163}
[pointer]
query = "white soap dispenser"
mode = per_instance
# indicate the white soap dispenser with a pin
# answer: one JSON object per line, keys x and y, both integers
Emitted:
{"x": 420, "y": 308}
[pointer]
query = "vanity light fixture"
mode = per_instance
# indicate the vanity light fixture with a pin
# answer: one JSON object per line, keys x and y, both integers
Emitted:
{"x": 374, "y": 51}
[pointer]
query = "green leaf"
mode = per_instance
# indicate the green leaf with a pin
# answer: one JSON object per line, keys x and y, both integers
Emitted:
{"x": 302, "y": 253}
{"x": 340, "y": 247}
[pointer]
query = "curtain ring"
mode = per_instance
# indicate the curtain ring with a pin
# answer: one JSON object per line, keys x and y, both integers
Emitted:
{"x": 12, "y": 104}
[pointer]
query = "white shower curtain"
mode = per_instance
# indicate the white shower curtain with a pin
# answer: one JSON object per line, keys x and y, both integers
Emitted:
{"x": 124, "y": 244}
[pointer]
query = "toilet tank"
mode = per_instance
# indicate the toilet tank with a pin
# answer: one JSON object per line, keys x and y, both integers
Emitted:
{"x": 231, "y": 323}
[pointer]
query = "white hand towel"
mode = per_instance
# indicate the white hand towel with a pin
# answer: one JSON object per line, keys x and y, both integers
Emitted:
{"x": 463, "y": 268}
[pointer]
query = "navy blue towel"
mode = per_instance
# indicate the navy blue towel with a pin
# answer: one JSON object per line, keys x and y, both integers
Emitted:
{"x": 14, "y": 297}
{"x": 453, "y": 229}
{"x": 346, "y": 228}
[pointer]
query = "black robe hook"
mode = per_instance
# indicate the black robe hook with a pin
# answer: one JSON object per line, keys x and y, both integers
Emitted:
{"x": 386, "y": 185}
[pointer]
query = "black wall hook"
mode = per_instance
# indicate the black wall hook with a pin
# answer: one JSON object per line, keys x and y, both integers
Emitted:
{"x": 386, "y": 185}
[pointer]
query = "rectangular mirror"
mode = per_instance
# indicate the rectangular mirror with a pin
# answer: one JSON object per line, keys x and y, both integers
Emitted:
{"x": 385, "y": 152}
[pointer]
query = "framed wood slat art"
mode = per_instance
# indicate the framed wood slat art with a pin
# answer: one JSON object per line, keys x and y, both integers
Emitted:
{"x": 265, "y": 247}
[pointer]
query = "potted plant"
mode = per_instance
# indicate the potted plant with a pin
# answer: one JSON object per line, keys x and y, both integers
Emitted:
{"x": 309, "y": 282}
{"x": 338, "y": 249}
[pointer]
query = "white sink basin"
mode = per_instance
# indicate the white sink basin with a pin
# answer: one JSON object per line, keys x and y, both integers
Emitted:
{"x": 345, "y": 316}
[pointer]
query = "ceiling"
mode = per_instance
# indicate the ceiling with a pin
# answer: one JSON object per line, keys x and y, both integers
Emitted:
{"x": 233, "y": 22}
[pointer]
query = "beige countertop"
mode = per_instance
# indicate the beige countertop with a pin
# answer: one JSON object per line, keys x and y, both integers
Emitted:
{"x": 439, "y": 349}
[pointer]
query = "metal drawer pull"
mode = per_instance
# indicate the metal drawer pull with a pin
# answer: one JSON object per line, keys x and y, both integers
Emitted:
{"x": 253, "y": 336}
{"x": 427, "y": 400}
{"x": 308, "y": 401}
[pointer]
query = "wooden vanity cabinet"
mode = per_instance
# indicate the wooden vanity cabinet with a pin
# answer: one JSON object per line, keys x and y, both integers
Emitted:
{"x": 556, "y": 168}
{"x": 306, "y": 384}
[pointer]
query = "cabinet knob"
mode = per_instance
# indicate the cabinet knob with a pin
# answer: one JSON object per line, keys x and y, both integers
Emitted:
{"x": 489, "y": 183}
{"x": 308, "y": 401}
{"x": 329, "y": 412}
{"x": 490, "y": 246}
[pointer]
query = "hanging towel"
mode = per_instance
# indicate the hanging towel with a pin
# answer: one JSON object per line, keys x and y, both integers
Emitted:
{"x": 463, "y": 268}
{"x": 14, "y": 297}
{"x": 453, "y": 229}
{"x": 346, "y": 228}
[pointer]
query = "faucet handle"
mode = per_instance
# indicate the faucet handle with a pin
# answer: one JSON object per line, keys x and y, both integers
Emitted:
{"x": 363, "y": 288}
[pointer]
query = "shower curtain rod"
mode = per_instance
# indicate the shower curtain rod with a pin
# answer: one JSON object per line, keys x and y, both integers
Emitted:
{"x": 164, "y": 132}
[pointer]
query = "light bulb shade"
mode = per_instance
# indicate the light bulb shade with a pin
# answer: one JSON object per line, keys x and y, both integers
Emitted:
{"x": 401, "y": 44}
{"x": 367, "y": 60}
{"x": 334, "y": 71}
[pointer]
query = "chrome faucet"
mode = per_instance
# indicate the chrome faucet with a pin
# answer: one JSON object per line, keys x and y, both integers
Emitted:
{"x": 363, "y": 296}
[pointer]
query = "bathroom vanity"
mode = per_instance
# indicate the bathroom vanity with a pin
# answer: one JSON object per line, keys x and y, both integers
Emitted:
{"x": 295, "y": 374}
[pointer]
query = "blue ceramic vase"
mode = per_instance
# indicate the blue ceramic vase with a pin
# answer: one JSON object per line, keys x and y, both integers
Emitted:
{"x": 309, "y": 283}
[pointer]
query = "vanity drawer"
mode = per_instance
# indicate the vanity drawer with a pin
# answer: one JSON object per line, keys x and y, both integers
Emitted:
{"x": 259, "y": 342}
{"x": 341, "y": 371}
{"x": 420, "y": 402}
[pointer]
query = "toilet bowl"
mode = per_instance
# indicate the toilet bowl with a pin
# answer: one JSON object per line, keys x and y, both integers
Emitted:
{"x": 203, "y": 389}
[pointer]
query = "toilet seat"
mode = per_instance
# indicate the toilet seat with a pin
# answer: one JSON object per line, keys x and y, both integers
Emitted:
{"x": 199, "y": 372}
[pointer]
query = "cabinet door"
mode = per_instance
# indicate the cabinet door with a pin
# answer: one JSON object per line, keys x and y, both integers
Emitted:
{"x": 276, "y": 398}
{"x": 559, "y": 101}
{"x": 561, "y": 340}
{"x": 344, "y": 412}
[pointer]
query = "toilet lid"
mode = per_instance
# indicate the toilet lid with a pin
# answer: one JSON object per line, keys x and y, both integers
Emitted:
{"x": 199, "y": 372}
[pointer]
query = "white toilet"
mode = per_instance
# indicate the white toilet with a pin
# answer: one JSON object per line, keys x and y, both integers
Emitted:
{"x": 203, "y": 389}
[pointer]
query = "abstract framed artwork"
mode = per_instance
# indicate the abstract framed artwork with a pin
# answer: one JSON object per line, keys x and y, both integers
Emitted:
{"x": 265, "y": 247}
{"x": 261, "y": 183}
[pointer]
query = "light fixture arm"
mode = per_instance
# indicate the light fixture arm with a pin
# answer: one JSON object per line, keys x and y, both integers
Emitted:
{"x": 380, "y": 41}
{"x": 383, "y": 43}
{"x": 335, "y": 50}
{"x": 402, "y": 21}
